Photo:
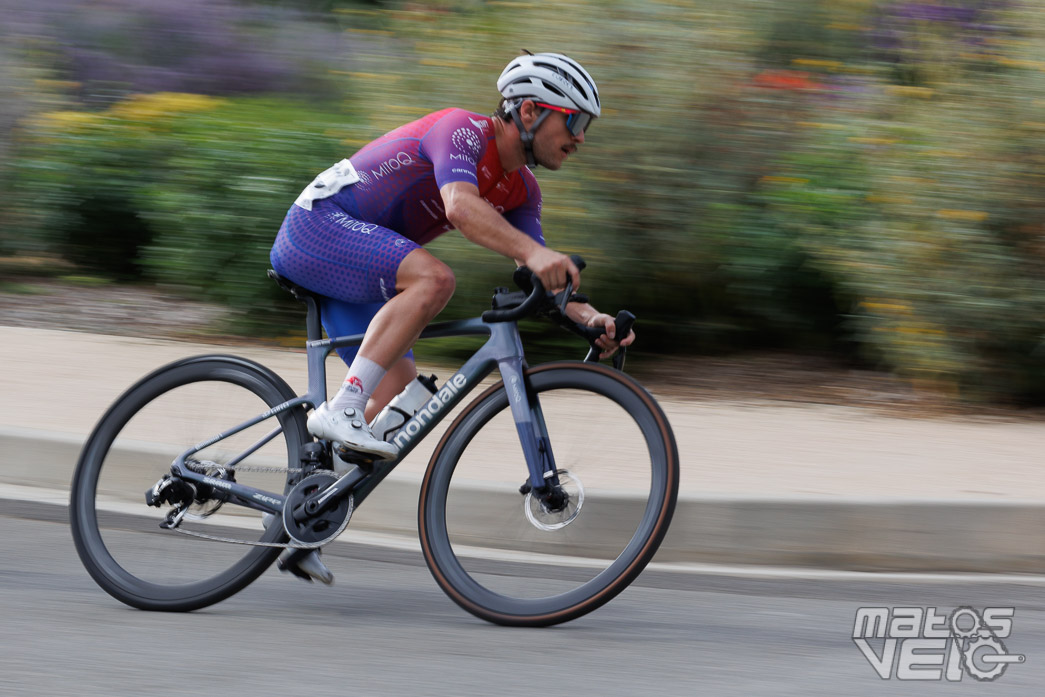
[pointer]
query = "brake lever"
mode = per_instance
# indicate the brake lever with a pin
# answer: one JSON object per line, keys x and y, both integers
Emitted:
{"x": 566, "y": 295}
{"x": 623, "y": 324}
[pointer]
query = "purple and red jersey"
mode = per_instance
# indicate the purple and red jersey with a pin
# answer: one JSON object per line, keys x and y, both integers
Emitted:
{"x": 348, "y": 246}
{"x": 402, "y": 172}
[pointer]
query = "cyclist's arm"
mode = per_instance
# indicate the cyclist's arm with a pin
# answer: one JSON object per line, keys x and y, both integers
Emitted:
{"x": 584, "y": 313}
{"x": 480, "y": 223}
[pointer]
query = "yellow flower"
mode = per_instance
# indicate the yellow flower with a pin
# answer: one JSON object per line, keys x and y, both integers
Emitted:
{"x": 69, "y": 120}
{"x": 911, "y": 91}
{"x": 973, "y": 216}
{"x": 147, "y": 107}
{"x": 817, "y": 63}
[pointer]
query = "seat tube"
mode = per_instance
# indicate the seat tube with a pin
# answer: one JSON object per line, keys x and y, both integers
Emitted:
{"x": 316, "y": 355}
{"x": 528, "y": 421}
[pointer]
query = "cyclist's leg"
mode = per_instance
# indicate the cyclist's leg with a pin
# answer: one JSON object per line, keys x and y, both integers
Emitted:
{"x": 343, "y": 319}
{"x": 394, "y": 382}
{"x": 423, "y": 287}
{"x": 331, "y": 253}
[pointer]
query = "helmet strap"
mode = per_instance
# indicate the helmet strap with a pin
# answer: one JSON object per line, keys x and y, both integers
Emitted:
{"x": 527, "y": 136}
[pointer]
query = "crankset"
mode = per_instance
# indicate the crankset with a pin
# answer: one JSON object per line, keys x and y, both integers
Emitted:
{"x": 313, "y": 528}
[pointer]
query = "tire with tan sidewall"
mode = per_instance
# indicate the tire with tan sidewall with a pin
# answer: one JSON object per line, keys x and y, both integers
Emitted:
{"x": 438, "y": 551}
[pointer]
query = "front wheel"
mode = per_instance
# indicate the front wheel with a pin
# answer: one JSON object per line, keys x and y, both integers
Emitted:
{"x": 512, "y": 557}
{"x": 118, "y": 536}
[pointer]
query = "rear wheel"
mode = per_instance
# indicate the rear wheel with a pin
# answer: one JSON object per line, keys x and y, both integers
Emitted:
{"x": 540, "y": 558}
{"x": 118, "y": 536}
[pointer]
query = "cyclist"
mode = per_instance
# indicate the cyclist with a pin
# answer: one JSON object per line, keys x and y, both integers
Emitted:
{"x": 356, "y": 234}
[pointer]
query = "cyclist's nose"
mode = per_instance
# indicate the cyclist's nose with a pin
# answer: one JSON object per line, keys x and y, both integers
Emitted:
{"x": 579, "y": 138}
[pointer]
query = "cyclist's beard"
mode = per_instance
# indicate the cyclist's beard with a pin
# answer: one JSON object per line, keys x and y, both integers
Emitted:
{"x": 544, "y": 156}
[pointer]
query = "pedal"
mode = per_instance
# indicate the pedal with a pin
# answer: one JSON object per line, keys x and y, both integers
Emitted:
{"x": 305, "y": 564}
{"x": 353, "y": 457}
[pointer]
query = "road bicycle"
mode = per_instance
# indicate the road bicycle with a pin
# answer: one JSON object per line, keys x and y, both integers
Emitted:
{"x": 546, "y": 496}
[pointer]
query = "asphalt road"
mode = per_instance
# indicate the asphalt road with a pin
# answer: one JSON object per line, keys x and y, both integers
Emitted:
{"x": 386, "y": 629}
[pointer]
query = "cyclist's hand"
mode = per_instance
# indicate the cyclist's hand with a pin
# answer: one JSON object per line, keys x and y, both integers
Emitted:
{"x": 553, "y": 269}
{"x": 608, "y": 342}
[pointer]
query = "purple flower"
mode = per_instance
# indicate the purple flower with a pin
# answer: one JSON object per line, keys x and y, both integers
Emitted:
{"x": 204, "y": 46}
{"x": 897, "y": 30}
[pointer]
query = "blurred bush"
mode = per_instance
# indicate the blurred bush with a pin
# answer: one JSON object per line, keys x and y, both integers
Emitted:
{"x": 854, "y": 176}
{"x": 182, "y": 189}
{"x": 66, "y": 55}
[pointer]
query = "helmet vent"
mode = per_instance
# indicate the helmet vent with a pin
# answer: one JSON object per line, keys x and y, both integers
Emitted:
{"x": 552, "y": 88}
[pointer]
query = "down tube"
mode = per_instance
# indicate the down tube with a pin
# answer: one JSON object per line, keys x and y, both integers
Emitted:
{"x": 455, "y": 389}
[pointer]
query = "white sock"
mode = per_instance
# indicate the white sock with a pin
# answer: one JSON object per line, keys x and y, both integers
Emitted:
{"x": 363, "y": 378}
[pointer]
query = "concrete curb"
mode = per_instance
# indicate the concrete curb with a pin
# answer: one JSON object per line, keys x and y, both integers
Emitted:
{"x": 897, "y": 535}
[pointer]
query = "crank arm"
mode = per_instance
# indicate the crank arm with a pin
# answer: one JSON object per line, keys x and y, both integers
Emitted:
{"x": 342, "y": 487}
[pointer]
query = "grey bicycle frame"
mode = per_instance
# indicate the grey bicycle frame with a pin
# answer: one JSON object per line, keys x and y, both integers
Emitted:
{"x": 502, "y": 350}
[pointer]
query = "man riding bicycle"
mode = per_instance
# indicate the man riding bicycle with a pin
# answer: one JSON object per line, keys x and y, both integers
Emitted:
{"x": 356, "y": 234}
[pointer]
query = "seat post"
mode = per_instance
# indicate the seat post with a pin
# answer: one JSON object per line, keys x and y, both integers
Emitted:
{"x": 313, "y": 326}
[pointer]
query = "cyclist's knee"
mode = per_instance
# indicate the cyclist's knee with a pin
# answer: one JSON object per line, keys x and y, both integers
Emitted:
{"x": 443, "y": 282}
{"x": 439, "y": 287}
{"x": 421, "y": 269}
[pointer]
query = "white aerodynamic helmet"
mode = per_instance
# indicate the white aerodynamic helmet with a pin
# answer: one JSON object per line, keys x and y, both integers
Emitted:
{"x": 555, "y": 82}
{"x": 551, "y": 78}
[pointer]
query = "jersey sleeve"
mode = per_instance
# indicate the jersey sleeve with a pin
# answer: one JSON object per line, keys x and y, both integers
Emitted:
{"x": 527, "y": 217}
{"x": 454, "y": 145}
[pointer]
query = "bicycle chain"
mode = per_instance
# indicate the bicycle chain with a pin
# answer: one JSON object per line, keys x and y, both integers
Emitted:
{"x": 282, "y": 545}
{"x": 251, "y": 468}
{"x": 196, "y": 466}
{"x": 231, "y": 540}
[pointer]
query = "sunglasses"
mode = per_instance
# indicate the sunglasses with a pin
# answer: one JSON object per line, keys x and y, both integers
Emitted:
{"x": 576, "y": 121}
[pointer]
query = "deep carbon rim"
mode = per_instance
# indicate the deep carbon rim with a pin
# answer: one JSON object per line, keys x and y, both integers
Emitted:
{"x": 502, "y": 609}
{"x": 84, "y": 514}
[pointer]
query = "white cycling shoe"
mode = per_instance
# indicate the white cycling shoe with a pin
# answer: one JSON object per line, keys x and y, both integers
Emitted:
{"x": 350, "y": 429}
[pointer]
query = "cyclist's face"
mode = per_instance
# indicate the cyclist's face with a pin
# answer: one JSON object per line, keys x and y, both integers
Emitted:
{"x": 553, "y": 142}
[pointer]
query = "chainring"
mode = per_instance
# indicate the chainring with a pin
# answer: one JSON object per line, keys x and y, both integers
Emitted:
{"x": 327, "y": 523}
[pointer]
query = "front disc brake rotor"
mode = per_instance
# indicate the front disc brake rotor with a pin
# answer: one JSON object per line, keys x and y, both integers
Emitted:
{"x": 327, "y": 523}
{"x": 570, "y": 499}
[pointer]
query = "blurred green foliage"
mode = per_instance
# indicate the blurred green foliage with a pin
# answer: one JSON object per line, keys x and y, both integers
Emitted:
{"x": 854, "y": 176}
{"x": 185, "y": 190}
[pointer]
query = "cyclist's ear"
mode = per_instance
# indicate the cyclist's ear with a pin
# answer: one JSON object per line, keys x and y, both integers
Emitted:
{"x": 529, "y": 111}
